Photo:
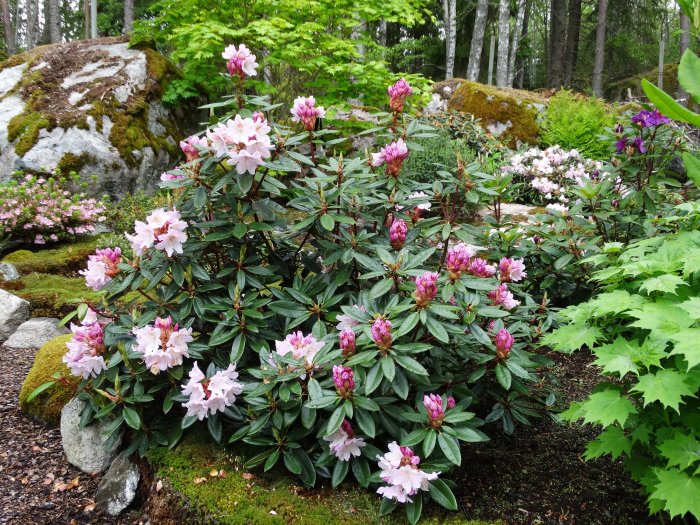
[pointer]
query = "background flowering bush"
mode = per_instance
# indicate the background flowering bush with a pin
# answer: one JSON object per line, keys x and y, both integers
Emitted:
{"x": 43, "y": 210}
{"x": 372, "y": 323}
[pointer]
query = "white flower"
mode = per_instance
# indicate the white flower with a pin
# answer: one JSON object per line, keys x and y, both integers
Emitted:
{"x": 343, "y": 445}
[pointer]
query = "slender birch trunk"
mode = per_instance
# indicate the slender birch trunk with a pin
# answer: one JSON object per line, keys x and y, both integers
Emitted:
{"x": 503, "y": 41}
{"x": 600, "y": 49}
{"x": 515, "y": 41}
{"x": 477, "y": 44}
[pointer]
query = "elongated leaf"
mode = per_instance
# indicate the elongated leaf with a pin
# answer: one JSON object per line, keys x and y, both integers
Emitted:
{"x": 450, "y": 447}
{"x": 442, "y": 494}
{"x": 668, "y": 106}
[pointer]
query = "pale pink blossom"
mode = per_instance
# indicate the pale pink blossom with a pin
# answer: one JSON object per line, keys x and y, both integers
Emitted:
{"x": 162, "y": 344}
{"x": 511, "y": 270}
{"x": 345, "y": 321}
{"x": 85, "y": 349}
{"x": 343, "y": 443}
{"x": 101, "y": 267}
{"x": 399, "y": 469}
{"x": 240, "y": 61}
{"x": 306, "y": 111}
{"x": 211, "y": 395}
{"x": 503, "y": 297}
{"x": 162, "y": 229}
{"x": 300, "y": 346}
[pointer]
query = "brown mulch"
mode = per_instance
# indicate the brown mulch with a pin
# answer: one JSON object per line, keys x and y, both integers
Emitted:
{"x": 37, "y": 485}
{"x": 538, "y": 475}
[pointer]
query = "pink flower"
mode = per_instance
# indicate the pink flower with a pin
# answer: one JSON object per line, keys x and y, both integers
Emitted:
{"x": 163, "y": 228}
{"x": 240, "y": 61}
{"x": 393, "y": 156}
{"x": 345, "y": 321}
{"x": 211, "y": 395}
{"x": 85, "y": 349}
{"x": 191, "y": 146}
{"x": 426, "y": 288}
{"x": 397, "y": 233}
{"x": 501, "y": 296}
{"x": 101, "y": 267}
{"x": 480, "y": 268}
{"x": 504, "y": 342}
{"x": 347, "y": 342}
{"x": 458, "y": 259}
{"x": 344, "y": 380}
{"x": 433, "y": 405}
{"x": 306, "y": 112}
{"x": 451, "y": 402}
{"x": 343, "y": 444}
{"x": 163, "y": 344}
{"x": 381, "y": 333}
{"x": 300, "y": 346}
{"x": 511, "y": 270}
{"x": 400, "y": 471}
{"x": 398, "y": 93}
{"x": 244, "y": 140}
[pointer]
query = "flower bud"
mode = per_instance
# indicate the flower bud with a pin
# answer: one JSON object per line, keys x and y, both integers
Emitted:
{"x": 344, "y": 380}
{"x": 381, "y": 333}
{"x": 397, "y": 233}
{"x": 398, "y": 93}
{"x": 347, "y": 342}
{"x": 433, "y": 405}
{"x": 451, "y": 402}
{"x": 426, "y": 288}
{"x": 504, "y": 342}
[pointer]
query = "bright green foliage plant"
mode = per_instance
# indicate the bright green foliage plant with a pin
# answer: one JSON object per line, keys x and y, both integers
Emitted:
{"x": 368, "y": 323}
{"x": 577, "y": 123}
{"x": 642, "y": 331}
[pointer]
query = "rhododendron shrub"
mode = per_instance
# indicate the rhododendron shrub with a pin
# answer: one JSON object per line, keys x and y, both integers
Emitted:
{"x": 364, "y": 321}
{"x": 44, "y": 210}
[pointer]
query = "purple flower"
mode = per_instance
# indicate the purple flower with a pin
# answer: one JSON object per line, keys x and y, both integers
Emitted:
{"x": 647, "y": 119}
{"x": 620, "y": 145}
{"x": 638, "y": 144}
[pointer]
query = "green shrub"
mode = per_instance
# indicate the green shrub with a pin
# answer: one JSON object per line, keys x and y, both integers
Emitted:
{"x": 46, "y": 407}
{"x": 577, "y": 123}
{"x": 642, "y": 331}
{"x": 437, "y": 153}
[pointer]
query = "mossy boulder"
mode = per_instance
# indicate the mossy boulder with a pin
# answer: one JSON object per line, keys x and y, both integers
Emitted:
{"x": 510, "y": 114}
{"x": 93, "y": 107}
{"x": 63, "y": 260}
{"x": 622, "y": 89}
{"x": 46, "y": 407}
{"x": 192, "y": 494}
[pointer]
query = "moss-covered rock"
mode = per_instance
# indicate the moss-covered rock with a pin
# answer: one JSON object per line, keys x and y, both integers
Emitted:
{"x": 509, "y": 114}
{"x": 93, "y": 107}
{"x": 621, "y": 89}
{"x": 195, "y": 496}
{"x": 63, "y": 260}
{"x": 46, "y": 407}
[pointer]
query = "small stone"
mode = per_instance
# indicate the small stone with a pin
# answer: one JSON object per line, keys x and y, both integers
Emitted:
{"x": 8, "y": 272}
{"x": 13, "y": 312}
{"x": 118, "y": 486}
{"x": 35, "y": 333}
{"x": 85, "y": 448}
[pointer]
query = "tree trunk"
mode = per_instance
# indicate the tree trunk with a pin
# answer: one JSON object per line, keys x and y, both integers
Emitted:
{"x": 520, "y": 75}
{"x": 684, "y": 44}
{"x": 477, "y": 44}
{"x": 492, "y": 49}
{"x": 572, "y": 39}
{"x": 662, "y": 52}
{"x": 600, "y": 48}
{"x": 54, "y": 21}
{"x": 515, "y": 42}
{"x": 503, "y": 41}
{"x": 381, "y": 37}
{"x": 128, "y": 16}
{"x": 449, "y": 8}
{"x": 93, "y": 18}
{"x": 32, "y": 23}
{"x": 86, "y": 18}
{"x": 557, "y": 43}
{"x": 10, "y": 45}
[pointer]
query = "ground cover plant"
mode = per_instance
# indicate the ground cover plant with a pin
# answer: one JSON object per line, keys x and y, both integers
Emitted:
{"x": 308, "y": 345}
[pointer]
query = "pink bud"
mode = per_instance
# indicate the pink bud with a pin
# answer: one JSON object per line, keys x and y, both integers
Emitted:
{"x": 347, "y": 342}
{"x": 397, "y": 233}
{"x": 426, "y": 288}
{"x": 347, "y": 428}
{"x": 381, "y": 333}
{"x": 398, "y": 93}
{"x": 344, "y": 380}
{"x": 451, "y": 402}
{"x": 433, "y": 405}
{"x": 504, "y": 342}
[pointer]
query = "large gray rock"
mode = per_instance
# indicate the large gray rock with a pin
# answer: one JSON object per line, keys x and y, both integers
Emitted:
{"x": 93, "y": 107}
{"x": 13, "y": 312}
{"x": 86, "y": 447}
{"x": 35, "y": 333}
{"x": 118, "y": 486}
{"x": 8, "y": 272}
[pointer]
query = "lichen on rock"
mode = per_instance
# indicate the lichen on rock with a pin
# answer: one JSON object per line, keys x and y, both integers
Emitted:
{"x": 510, "y": 114}
{"x": 46, "y": 407}
{"x": 93, "y": 107}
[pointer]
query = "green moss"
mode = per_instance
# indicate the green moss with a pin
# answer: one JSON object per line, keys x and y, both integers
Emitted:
{"x": 619, "y": 90}
{"x": 496, "y": 107}
{"x": 25, "y": 129}
{"x": 234, "y": 500}
{"x": 63, "y": 260}
{"x": 51, "y": 295}
{"x": 46, "y": 407}
{"x": 71, "y": 162}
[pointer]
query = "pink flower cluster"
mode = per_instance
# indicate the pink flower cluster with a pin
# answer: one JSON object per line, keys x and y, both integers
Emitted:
{"x": 245, "y": 141}
{"x": 41, "y": 210}
{"x": 209, "y": 395}
{"x": 191, "y": 146}
{"x": 240, "y": 62}
{"x": 300, "y": 346}
{"x": 344, "y": 380}
{"x": 381, "y": 333}
{"x": 85, "y": 349}
{"x": 426, "y": 288}
{"x": 163, "y": 344}
{"x": 343, "y": 443}
{"x": 501, "y": 296}
{"x": 101, "y": 267}
{"x": 163, "y": 228}
{"x": 504, "y": 342}
{"x": 347, "y": 342}
{"x": 511, "y": 270}
{"x": 393, "y": 156}
{"x": 397, "y": 233}
{"x": 433, "y": 405}
{"x": 398, "y": 94}
{"x": 458, "y": 260}
{"x": 306, "y": 111}
{"x": 479, "y": 267}
{"x": 401, "y": 473}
